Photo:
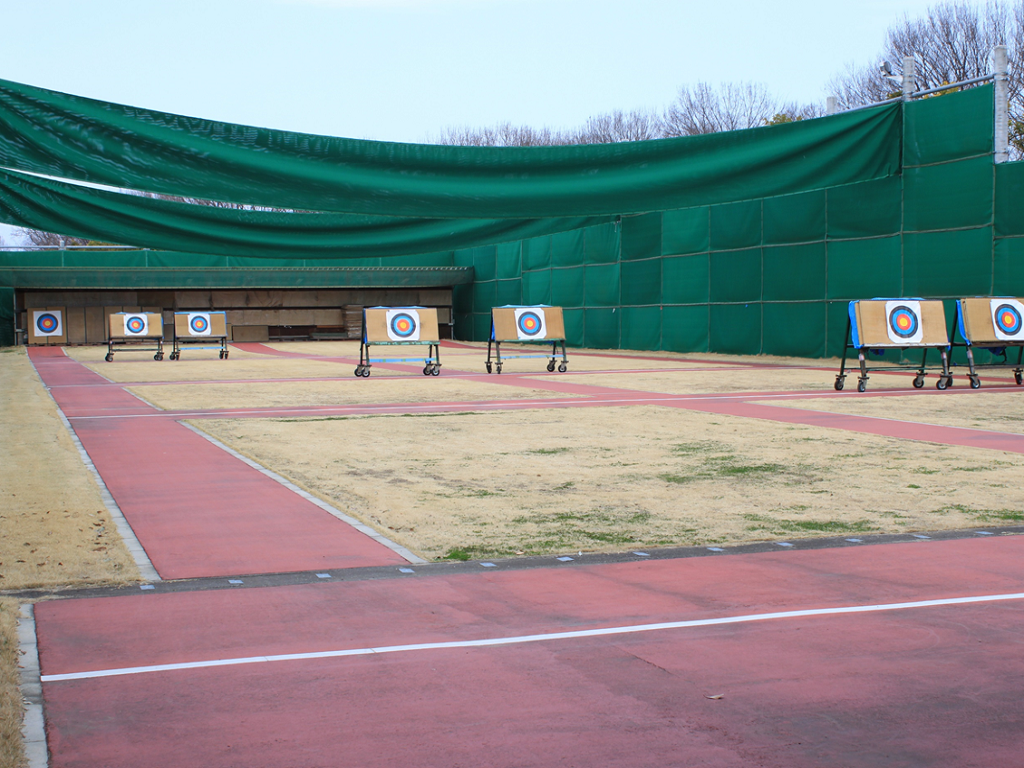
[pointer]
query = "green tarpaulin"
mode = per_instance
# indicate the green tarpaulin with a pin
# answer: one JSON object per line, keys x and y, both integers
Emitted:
{"x": 82, "y": 139}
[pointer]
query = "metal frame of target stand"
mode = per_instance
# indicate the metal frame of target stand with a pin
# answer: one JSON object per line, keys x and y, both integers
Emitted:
{"x": 131, "y": 344}
{"x": 945, "y": 377}
{"x": 431, "y": 363}
{"x": 996, "y": 348}
{"x": 498, "y": 359}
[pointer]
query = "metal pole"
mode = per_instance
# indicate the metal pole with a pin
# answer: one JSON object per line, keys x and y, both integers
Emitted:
{"x": 1002, "y": 126}
{"x": 831, "y": 105}
{"x": 909, "y": 81}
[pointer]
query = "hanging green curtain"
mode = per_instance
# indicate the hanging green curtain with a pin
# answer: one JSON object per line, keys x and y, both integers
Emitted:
{"x": 83, "y": 139}
{"x": 115, "y": 217}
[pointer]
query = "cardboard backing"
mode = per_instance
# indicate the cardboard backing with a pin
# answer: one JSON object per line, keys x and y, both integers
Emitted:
{"x": 872, "y": 323}
{"x": 377, "y": 325}
{"x": 504, "y": 319}
{"x": 218, "y": 326}
{"x": 154, "y": 319}
{"x": 978, "y": 324}
{"x": 31, "y": 325}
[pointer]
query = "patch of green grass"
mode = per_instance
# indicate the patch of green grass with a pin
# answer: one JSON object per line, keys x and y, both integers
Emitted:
{"x": 925, "y": 471}
{"x": 458, "y": 553}
{"x": 378, "y": 416}
{"x": 913, "y": 486}
{"x": 548, "y": 451}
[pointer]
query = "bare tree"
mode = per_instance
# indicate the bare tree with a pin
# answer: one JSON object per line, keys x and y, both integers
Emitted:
{"x": 729, "y": 107}
{"x": 38, "y": 237}
{"x": 616, "y": 126}
{"x": 502, "y": 135}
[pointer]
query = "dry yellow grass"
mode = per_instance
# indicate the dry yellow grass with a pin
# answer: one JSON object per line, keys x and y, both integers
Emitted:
{"x": 12, "y": 755}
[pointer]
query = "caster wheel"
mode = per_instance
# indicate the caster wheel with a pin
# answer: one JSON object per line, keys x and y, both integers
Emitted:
{"x": 226, "y": 355}
{"x": 1018, "y": 377}
{"x": 551, "y": 366}
{"x": 840, "y": 382}
{"x": 435, "y": 371}
{"x": 109, "y": 358}
{"x": 499, "y": 367}
{"x": 366, "y": 371}
{"x": 918, "y": 382}
{"x": 158, "y": 357}
{"x": 562, "y": 367}
{"x": 358, "y": 371}
{"x": 488, "y": 367}
{"x": 942, "y": 383}
{"x": 426, "y": 370}
{"x": 862, "y": 385}
{"x": 975, "y": 382}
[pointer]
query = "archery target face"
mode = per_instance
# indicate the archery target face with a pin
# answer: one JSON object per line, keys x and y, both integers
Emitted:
{"x": 199, "y": 323}
{"x": 530, "y": 323}
{"x": 1008, "y": 319}
{"x": 403, "y": 324}
{"x": 903, "y": 322}
{"x": 47, "y": 323}
{"x": 136, "y": 325}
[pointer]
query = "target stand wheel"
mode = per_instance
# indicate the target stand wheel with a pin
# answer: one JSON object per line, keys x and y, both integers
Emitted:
{"x": 488, "y": 364}
{"x": 562, "y": 367}
{"x": 110, "y": 357}
{"x": 366, "y": 371}
{"x": 426, "y": 370}
{"x": 862, "y": 384}
{"x": 840, "y": 383}
{"x": 918, "y": 381}
{"x": 358, "y": 371}
{"x": 498, "y": 367}
{"x": 551, "y": 366}
{"x": 158, "y": 356}
{"x": 435, "y": 370}
{"x": 975, "y": 382}
{"x": 1018, "y": 376}
{"x": 942, "y": 383}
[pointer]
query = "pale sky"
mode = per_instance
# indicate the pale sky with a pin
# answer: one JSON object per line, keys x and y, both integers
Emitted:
{"x": 402, "y": 70}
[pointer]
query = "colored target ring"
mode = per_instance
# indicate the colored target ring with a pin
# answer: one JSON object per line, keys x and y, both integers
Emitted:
{"x": 199, "y": 324}
{"x": 47, "y": 323}
{"x": 403, "y": 325}
{"x": 903, "y": 322}
{"x": 1008, "y": 319}
{"x": 530, "y": 323}
{"x": 135, "y": 325}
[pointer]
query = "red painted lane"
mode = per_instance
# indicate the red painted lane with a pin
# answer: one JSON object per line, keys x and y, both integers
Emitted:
{"x": 930, "y": 686}
{"x": 77, "y": 389}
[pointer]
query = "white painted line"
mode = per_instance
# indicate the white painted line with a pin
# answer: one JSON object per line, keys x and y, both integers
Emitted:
{"x": 358, "y": 525}
{"x": 323, "y": 575}
{"x": 985, "y": 533}
{"x": 406, "y": 570}
{"x": 519, "y": 639}
{"x": 33, "y": 727}
{"x": 641, "y": 554}
{"x": 488, "y": 565}
{"x": 783, "y": 544}
{"x": 920, "y": 536}
{"x": 564, "y": 559}
{"x": 235, "y": 581}
{"x": 716, "y": 549}
{"x": 855, "y": 541}
{"x": 147, "y": 586}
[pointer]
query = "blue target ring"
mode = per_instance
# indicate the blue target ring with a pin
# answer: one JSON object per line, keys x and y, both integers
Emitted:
{"x": 47, "y": 323}
{"x": 199, "y": 324}
{"x": 135, "y": 325}
{"x": 530, "y": 324}
{"x": 403, "y": 325}
{"x": 903, "y": 322}
{"x": 1008, "y": 319}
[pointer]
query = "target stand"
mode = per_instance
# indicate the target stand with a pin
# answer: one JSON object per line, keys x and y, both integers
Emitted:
{"x": 132, "y": 331}
{"x": 878, "y": 324}
{"x": 538, "y": 324}
{"x": 400, "y": 326}
{"x": 992, "y": 323}
{"x": 200, "y": 330}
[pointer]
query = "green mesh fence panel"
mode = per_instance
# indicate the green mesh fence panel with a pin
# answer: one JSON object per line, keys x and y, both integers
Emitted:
{"x": 684, "y": 279}
{"x": 509, "y": 260}
{"x": 6, "y": 317}
{"x": 197, "y": 260}
{"x": 641, "y": 282}
{"x": 567, "y": 287}
{"x": 508, "y": 292}
{"x": 485, "y": 296}
{"x": 863, "y": 269}
{"x": 601, "y": 244}
{"x": 948, "y": 196}
{"x": 31, "y": 259}
{"x": 573, "y": 319}
{"x": 464, "y": 257}
{"x": 794, "y": 329}
{"x": 536, "y": 253}
{"x": 941, "y": 264}
{"x": 462, "y": 300}
{"x": 865, "y": 210}
{"x": 684, "y": 329}
{"x": 737, "y": 225}
{"x": 601, "y": 285}
{"x": 464, "y": 327}
{"x": 641, "y": 236}
{"x": 735, "y": 328}
{"x": 837, "y": 317}
{"x": 736, "y": 275}
{"x": 956, "y": 125}
{"x": 74, "y": 259}
{"x": 567, "y": 249}
{"x": 481, "y": 325}
{"x": 1009, "y": 193}
{"x": 601, "y": 328}
{"x": 685, "y": 231}
{"x": 794, "y": 272}
{"x": 537, "y": 287}
{"x": 794, "y": 218}
{"x": 640, "y": 327}
{"x": 485, "y": 262}
{"x": 1008, "y": 267}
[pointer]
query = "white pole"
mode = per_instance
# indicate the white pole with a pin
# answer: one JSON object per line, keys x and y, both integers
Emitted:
{"x": 1002, "y": 126}
{"x": 831, "y": 105}
{"x": 909, "y": 81}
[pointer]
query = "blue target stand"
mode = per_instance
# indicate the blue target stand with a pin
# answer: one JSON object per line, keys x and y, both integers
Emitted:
{"x": 132, "y": 331}
{"x": 400, "y": 327}
{"x": 539, "y": 324}
{"x": 995, "y": 324}
{"x": 877, "y": 325}
{"x": 200, "y": 330}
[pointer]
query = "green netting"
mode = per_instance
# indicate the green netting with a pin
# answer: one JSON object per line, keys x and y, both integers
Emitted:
{"x": 641, "y": 282}
{"x": 567, "y": 287}
{"x": 948, "y": 196}
{"x": 6, "y": 317}
{"x": 601, "y": 328}
{"x": 640, "y": 328}
{"x": 736, "y": 275}
{"x": 573, "y": 319}
{"x": 537, "y": 287}
{"x": 1009, "y": 219}
{"x": 567, "y": 249}
{"x": 601, "y": 285}
{"x": 685, "y": 279}
{"x": 939, "y": 129}
{"x": 685, "y": 329}
{"x": 462, "y": 301}
{"x": 601, "y": 244}
{"x": 735, "y": 328}
{"x": 794, "y": 329}
{"x": 641, "y": 236}
{"x": 1008, "y": 267}
{"x": 794, "y": 272}
{"x": 941, "y": 264}
{"x": 485, "y": 263}
{"x": 863, "y": 269}
{"x": 509, "y": 260}
{"x": 508, "y": 292}
{"x": 737, "y": 225}
{"x": 76, "y": 138}
{"x": 794, "y": 218}
{"x": 686, "y": 231}
{"x": 485, "y": 296}
{"x": 537, "y": 253}
{"x": 865, "y": 210}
